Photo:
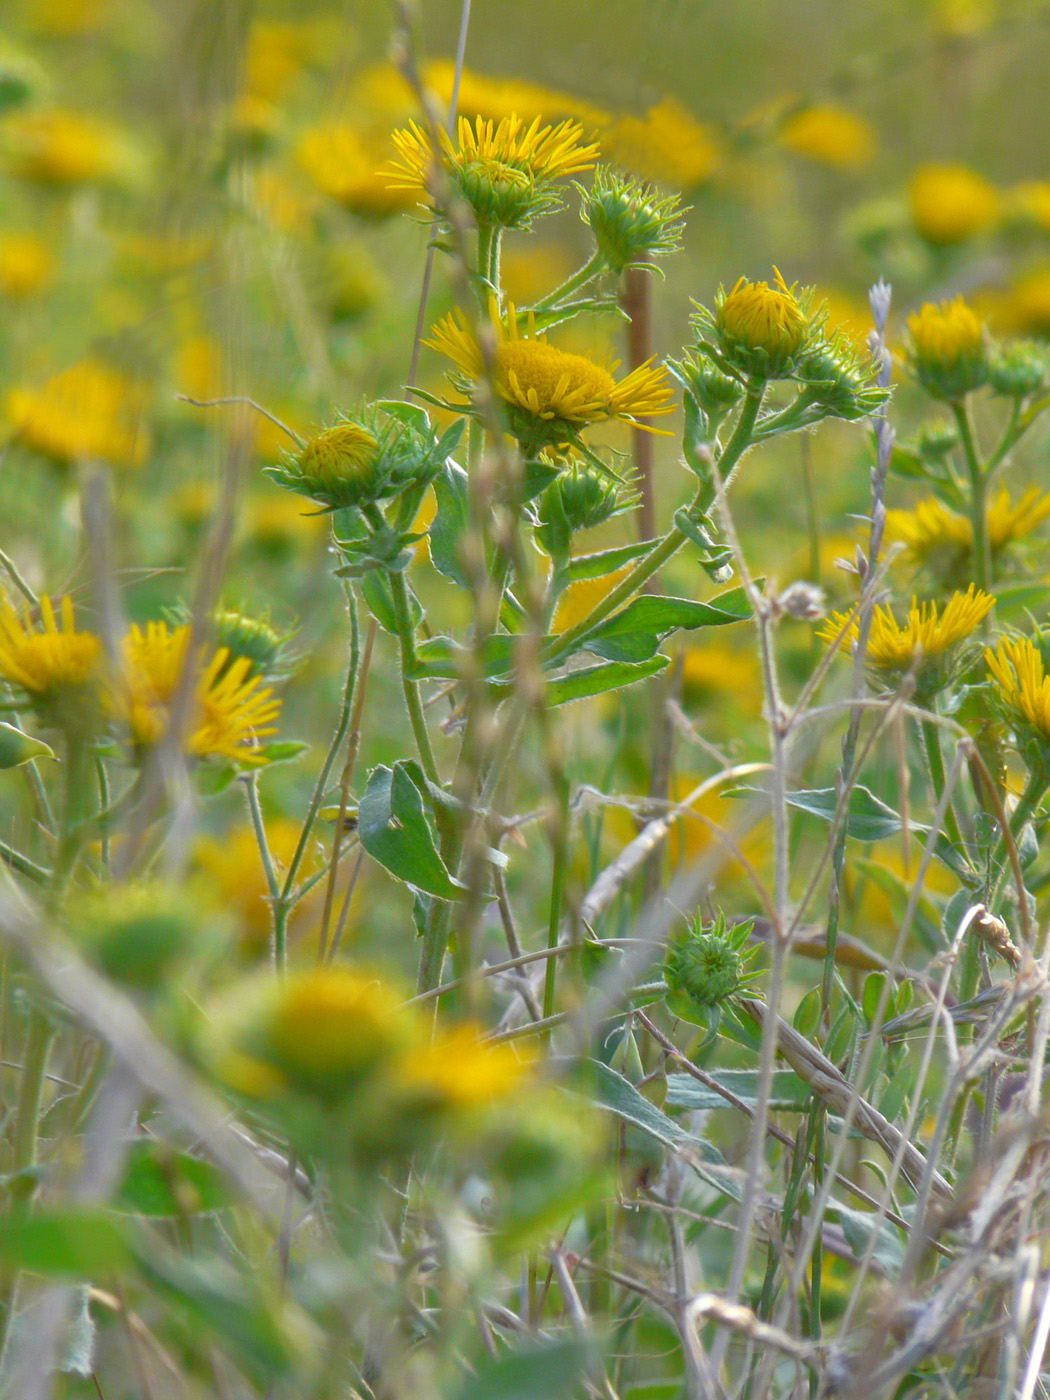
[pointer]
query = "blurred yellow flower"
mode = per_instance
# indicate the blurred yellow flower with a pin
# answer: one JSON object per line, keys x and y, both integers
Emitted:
{"x": 53, "y": 146}
{"x": 894, "y": 646}
{"x": 459, "y": 1071}
{"x": 279, "y": 524}
{"x": 281, "y": 202}
{"x": 531, "y": 271}
{"x": 667, "y": 145}
{"x": 343, "y": 162}
{"x": 89, "y": 410}
{"x": 1030, "y": 202}
{"x": 714, "y": 671}
{"x": 278, "y": 50}
{"x": 930, "y": 531}
{"x": 947, "y": 348}
{"x": 198, "y": 367}
{"x": 1016, "y": 667}
{"x": 830, "y": 135}
{"x": 1026, "y": 309}
{"x": 68, "y": 19}
{"x": 230, "y": 710}
{"x": 551, "y": 393}
{"x": 26, "y": 265}
{"x": 950, "y": 203}
{"x": 331, "y": 1025}
{"x": 45, "y": 658}
{"x": 235, "y": 867}
{"x": 581, "y": 597}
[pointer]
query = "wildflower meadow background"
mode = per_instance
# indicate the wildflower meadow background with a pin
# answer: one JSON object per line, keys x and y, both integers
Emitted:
{"x": 524, "y": 700}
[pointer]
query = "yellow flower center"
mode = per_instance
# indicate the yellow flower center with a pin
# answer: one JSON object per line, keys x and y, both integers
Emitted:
{"x": 763, "y": 317}
{"x": 340, "y": 454}
{"x": 552, "y": 383}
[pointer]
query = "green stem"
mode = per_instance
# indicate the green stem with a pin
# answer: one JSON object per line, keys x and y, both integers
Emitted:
{"x": 278, "y": 948}
{"x": 407, "y": 639}
{"x": 932, "y": 739}
{"x": 665, "y": 548}
{"x": 17, "y": 861}
{"x": 590, "y": 269}
{"x": 39, "y": 1035}
{"x": 1034, "y": 791}
{"x": 978, "y": 481}
{"x": 75, "y": 807}
{"x": 560, "y": 851}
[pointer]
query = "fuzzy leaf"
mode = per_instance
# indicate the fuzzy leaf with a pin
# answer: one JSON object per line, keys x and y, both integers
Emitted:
{"x": 868, "y": 818}
{"x": 450, "y": 523}
{"x": 396, "y": 829}
{"x": 636, "y": 631}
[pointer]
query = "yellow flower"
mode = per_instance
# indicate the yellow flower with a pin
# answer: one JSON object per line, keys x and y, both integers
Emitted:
{"x": 830, "y": 135}
{"x": 763, "y": 327}
{"x": 89, "y": 410}
{"x": 667, "y": 145}
{"x": 56, "y": 147}
{"x": 458, "y": 1070}
{"x": 1016, "y": 667}
{"x": 342, "y": 161}
{"x": 68, "y": 19}
{"x": 712, "y": 672}
{"x": 550, "y": 394}
{"x": 1027, "y": 307}
{"x": 1008, "y": 522}
{"x": 26, "y": 265}
{"x": 343, "y": 454}
{"x": 1030, "y": 202}
{"x": 893, "y": 646}
{"x": 947, "y": 348}
{"x": 332, "y": 1024}
{"x": 44, "y": 661}
{"x": 229, "y": 709}
{"x": 931, "y": 533}
{"x": 277, "y": 51}
{"x": 233, "y": 865}
{"x": 950, "y": 203}
{"x": 505, "y": 171}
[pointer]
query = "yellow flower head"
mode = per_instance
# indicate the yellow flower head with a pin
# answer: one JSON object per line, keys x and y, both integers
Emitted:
{"x": 950, "y": 203}
{"x": 947, "y": 348}
{"x": 344, "y": 453}
{"x": 229, "y": 709}
{"x": 762, "y": 327}
{"x": 924, "y": 637}
{"x": 341, "y": 161}
{"x": 26, "y": 265}
{"x": 331, "y": 1024}
{"x": 1008, "y": 522}
{"x": 1027, "y": 307}
{"x": 458, "y": 1070}
{"x": 54, "y": 147}
{"x": 89, "y": 410}
{"x": 550, "y": 394}
{"x": 1016, "y": 667}
{"x": 830, "y": 135}
{"x": 667, "y": 145}
{"x": 932, "y": 534}
{"x": 505, "y": 171}
{"x": 49, "y": 660}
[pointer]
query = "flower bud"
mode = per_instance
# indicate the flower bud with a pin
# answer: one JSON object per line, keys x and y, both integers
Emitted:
{"x": 762, "y": 329}
{"x": 705, "y": 965}
{"x": 631, "y": 223}
{"x": 947, "y": 351}
{"x": 1020, "y": 370}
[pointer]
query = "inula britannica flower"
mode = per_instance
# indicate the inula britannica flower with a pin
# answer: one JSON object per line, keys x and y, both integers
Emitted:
{"x": 506, "y": 171}
{"x": 1017, "y": 669}
{"x": 947, "y": 350}
{"x": 761, "y": 328}
{"x": 550, "y": 395}
{"x": 51, "y": 663}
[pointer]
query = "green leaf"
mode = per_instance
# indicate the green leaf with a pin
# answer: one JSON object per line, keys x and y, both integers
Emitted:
{"x": 213, "y": 1296}
{"x": 596, "y": 680}
{"x": 553, "y": 1371}
{"x": 75, "y": 1244}
{"x": 859, "y": 1228}
{"x": 282, "y": 752}
{"x": 619, "y": 1096}
{"x": 411, "y": 414}
{"x": 161, "y": 1183}
{"x": 787, "y": 1091}
{"x": 606, "y": 561}
{"x": 807, "y": 1013}
{"x": 375, "y": 587}
{"x": 636, "y": 631}
{"x": 867, "y": 819}
{"x": 396, "y": 828}
{"x": 450, "y": 523}
{"x": 442, "y": 658}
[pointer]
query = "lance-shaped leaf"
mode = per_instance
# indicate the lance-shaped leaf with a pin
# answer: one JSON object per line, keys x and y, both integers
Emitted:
{"x": 636, "y": 631}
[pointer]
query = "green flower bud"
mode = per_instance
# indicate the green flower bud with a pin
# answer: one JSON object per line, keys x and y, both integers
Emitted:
{"x": 631, "y": 223}
{"x": 251, "y": 637}
{"x": 1019, "y": 370}
{"x": 705, "y": 965}
{"x": 371, "y": 457}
